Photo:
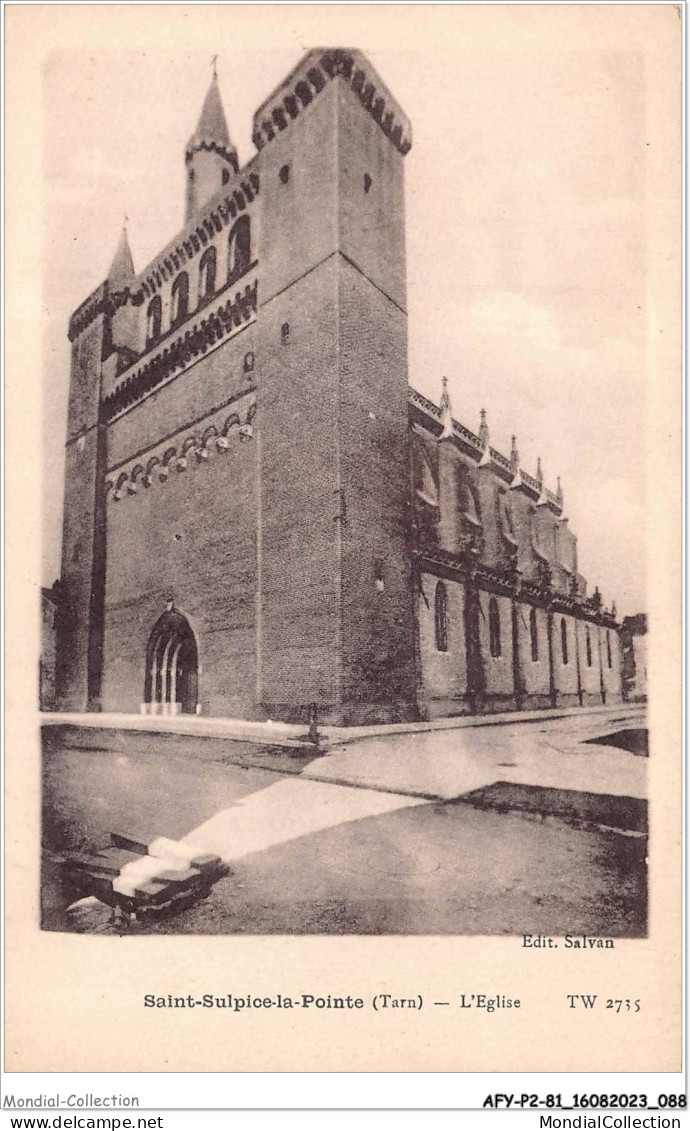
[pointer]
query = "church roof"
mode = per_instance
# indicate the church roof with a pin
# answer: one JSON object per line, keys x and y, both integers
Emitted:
{"x": 122, "y": 267}
{"x": 212, "y": 128}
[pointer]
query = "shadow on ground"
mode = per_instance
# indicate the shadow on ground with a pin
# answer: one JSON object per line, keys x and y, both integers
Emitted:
{"x": 634, "y": 740}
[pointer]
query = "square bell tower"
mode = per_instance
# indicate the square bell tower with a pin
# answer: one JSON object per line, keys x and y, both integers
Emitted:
{"x": 335, "y": 625}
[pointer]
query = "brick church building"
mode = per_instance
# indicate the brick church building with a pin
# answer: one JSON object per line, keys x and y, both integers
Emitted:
{"x": 262, "y": 518}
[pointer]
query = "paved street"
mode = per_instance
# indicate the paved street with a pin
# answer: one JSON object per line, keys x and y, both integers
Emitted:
{"x": 374, "y": 836}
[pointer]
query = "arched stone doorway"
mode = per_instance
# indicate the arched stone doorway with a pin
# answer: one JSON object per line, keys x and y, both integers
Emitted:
{"x": 172, "y": 667}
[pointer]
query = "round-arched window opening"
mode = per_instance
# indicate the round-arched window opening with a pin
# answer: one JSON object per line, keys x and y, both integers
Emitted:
{"x": 534, "y": 635}
{"x": 494, "y": 628}
{"x": 564, "y": 640}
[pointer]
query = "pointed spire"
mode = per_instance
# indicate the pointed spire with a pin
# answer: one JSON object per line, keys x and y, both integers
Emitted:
{"x": 483, "y": 428}
{"x": 542, "y": 501}
{"x": 514, "y": 456}
{"x": 446, "y": 412}
{"x": 212, "y": 128}
{"x": 122, "y": 267}
{"x": 559, "y": 492}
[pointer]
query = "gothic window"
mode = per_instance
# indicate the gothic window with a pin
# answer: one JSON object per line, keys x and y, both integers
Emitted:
{"x": 556, "y": 544}
{"x": 153, "y": 319}
{"x": 588, "y": 647}
{"x": 608, "y": 649}
{"x": 494, "y": 628}
{"x": 533, "y": 634}
{"x": 207, "y": 274}
{"x": 564, "y": 640}
{"x": 239, "y": 249}
{"x": 180, "y": 299}
{"x": 172, "y": 666}
{"x": 441, "y": 617}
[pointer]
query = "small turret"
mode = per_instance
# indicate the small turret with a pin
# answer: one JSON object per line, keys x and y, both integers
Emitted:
{"x": 210, "y": 156}
{"x": 121, "y": 337}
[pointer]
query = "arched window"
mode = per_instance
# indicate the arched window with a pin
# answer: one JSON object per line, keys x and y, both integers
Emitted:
{"x": 153, "y": 319}
{"x": 494, "y": 628}
{"x": 180, "y": 299}
{"x": 588, "y": 647}
{"x": 608, "y": 649}
{"x": 207, "y": 274}
{"x": 239, "y": 249}
{"x": 441, "y": 617}
{"x": 533, "y": 634}
{"x": 564, "y": 640}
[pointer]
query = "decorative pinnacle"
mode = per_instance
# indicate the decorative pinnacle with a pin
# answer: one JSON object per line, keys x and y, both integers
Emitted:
{"x": 543, "y": 500}
{"x": 483, "y": 428}
{"x": 514, "y": 456}
{"x": 559, "y": 491}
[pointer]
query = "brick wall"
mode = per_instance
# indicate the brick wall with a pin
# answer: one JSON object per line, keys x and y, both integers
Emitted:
{"x": 192, "y": 537}
{"x": 377, "y": 619}
{"x": 333, "y": 420}
{"x": 214, "y": 380}
{"x": 81, "y": 471}
{"x": 299, "y": 581}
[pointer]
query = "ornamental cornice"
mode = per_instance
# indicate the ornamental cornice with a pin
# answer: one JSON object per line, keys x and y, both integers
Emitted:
{"x": 181, "y": 453}
{"x": 197, "y": 237}
{"x": 509, "y": 583}
{"x": 473, "y": 446}
{"x": 87, "y": 313}
{"x": 218, "y": 325}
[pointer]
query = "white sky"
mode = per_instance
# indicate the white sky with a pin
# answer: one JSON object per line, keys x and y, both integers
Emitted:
{"x": 527, "y": 205}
